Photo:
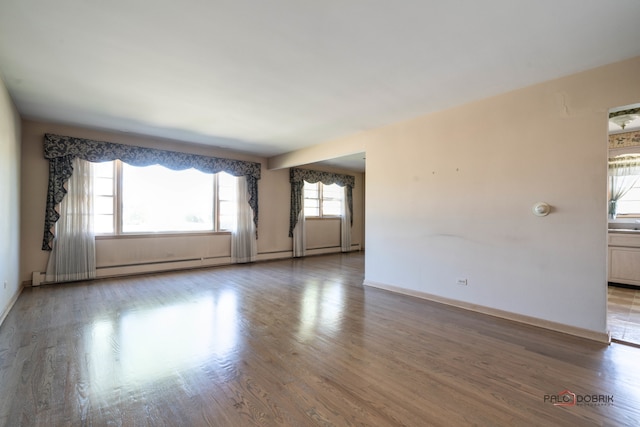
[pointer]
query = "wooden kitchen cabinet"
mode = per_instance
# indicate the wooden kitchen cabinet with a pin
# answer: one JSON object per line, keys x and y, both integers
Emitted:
{"x": 624, "y": 258}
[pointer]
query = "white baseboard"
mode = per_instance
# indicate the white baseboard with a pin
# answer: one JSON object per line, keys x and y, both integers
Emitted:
{"x": 330, "y": 250}
{"x": 270, "y": 256}
{"x": 602, "y": 337}
{"x": 13, "y": 300}
{"x": 322, "y": 251}
{"x": 38, "y": 278}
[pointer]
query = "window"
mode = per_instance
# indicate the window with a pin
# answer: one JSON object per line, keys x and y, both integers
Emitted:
{"x": 104, "y": 197}
{"x": 624, "y": 185}
{"x": 629, "y": 204}
{"x": 151, "y": 199}
{"x": 322, "y": 200}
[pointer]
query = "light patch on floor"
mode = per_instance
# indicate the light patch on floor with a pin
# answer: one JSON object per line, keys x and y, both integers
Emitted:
{"x": 623, "y": 314}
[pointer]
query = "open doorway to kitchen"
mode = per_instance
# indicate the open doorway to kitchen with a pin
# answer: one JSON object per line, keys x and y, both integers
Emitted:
{"x": 623, "y": 290}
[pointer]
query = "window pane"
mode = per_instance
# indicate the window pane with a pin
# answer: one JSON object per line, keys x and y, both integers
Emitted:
{"x": 311, "y": 211}
{"x": 227, "y": 214}
{"x": 310, "y": 190}
{"x": 629, "y": 207}
{"x": 331, "y": 208}
{"x": 227, "y": 188}
{"x": 103, "y": 224}
{"x": 103, "y": 169}
{"x": 103, "y": 178}
{"x": 156, "y": 199}
{"x": 103, "y": 186}
{"x": 630, "y": 203}
{"x": 311, "y": 193}
{"x": 332, "y": 191}
{"x": 103, "y": 205}
{"x": 226, "y": 180}
{"x": 311, "y": 205}
{"x": 225, "y": 193}
{"x": 332, "y": 196}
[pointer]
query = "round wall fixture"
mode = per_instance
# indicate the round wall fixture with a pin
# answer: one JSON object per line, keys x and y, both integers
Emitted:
{"x": 541, "y": 209}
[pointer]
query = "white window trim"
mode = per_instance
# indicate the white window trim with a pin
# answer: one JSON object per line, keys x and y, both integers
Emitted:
{"x": 117, "y": 213}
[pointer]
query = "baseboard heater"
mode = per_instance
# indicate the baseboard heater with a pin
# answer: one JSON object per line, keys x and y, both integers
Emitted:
{"x": 331, "y": 249}
{"x": 38, "y": 278}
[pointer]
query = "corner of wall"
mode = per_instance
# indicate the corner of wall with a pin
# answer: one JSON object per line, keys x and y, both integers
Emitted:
{"x": 10, "y": 155}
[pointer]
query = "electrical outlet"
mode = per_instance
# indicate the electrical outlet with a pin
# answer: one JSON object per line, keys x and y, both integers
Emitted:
{"x": 462, "y": 282}
{"x": 5, "y": 284}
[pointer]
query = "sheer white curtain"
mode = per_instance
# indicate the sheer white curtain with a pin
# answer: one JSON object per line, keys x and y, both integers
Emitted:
{"x": 300, "y": 235}
{"x": 244, "y": 246}
{"x": 624, "y": 171}
{"x": 345, "y": 224}
{"x": 73, "y": 256}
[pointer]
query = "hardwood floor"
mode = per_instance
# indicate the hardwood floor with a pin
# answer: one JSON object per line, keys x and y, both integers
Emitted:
{"x": 292, "y": 343}
{"x": 623, "y": 314}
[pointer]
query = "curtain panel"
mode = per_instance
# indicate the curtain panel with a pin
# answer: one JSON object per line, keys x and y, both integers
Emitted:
{"x": 623, "y": 174}
{"x": 244, "y": 247}
{"x": 73, "y": 256}
{"x": 62, "y": 150}
{"x": 298, "y": 176}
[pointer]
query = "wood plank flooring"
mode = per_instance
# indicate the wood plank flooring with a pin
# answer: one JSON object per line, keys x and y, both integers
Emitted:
{"x": 623, "y": 314}
{"x": 292, "y": 343}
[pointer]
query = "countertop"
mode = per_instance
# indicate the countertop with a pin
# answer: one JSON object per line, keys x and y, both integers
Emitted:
{"x": 624, "y": 230}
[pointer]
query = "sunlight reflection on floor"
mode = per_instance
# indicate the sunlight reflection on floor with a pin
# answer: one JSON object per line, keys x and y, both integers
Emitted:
{"x": 150, "y": 344}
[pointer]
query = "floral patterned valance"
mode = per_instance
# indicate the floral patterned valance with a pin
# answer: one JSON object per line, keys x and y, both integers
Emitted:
{"x": 56, "y": 146}
{"x": 61, "y": 150}
{"x": 328, "y": 178}
{"x": 297, "y": 177}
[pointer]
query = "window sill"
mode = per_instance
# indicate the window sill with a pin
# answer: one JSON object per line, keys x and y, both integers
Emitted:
{"x": 162, "y": 234}
{"x": 319, "y": 218}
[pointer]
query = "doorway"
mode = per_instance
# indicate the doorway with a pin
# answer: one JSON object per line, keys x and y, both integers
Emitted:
{"x": 623, "y": 260}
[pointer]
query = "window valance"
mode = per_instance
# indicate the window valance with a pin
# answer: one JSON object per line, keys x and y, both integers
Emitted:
{"x": 624, "y": 165}
{"x": 327, "y": 178}
{"x": 297, "y": 177}
{"x": 62, "y": 150}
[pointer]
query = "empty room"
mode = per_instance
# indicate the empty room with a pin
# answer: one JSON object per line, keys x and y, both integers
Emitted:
{"x": 353, "y": 213}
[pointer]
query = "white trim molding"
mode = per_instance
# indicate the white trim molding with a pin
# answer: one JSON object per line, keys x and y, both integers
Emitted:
{"x": 602, "y": 337}
{"x": 12, "y": 302}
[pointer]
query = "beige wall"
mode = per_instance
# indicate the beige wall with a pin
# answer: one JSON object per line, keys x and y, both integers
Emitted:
{"x": 9, "y": 201}
{"x": 274, "y": 199}
{"x": 449, "y": 196}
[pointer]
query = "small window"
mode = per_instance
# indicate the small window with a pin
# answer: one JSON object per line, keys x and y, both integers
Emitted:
{"x": 323, "y": 200}
{"x": 629, "y": 204}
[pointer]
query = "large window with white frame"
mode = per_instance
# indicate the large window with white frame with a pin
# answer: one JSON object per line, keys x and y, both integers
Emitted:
{"x": 154, "y": 199}
{"x": 321, "y": 200}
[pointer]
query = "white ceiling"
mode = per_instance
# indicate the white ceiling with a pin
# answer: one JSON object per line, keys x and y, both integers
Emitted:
{"x": 269, "y": 77}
